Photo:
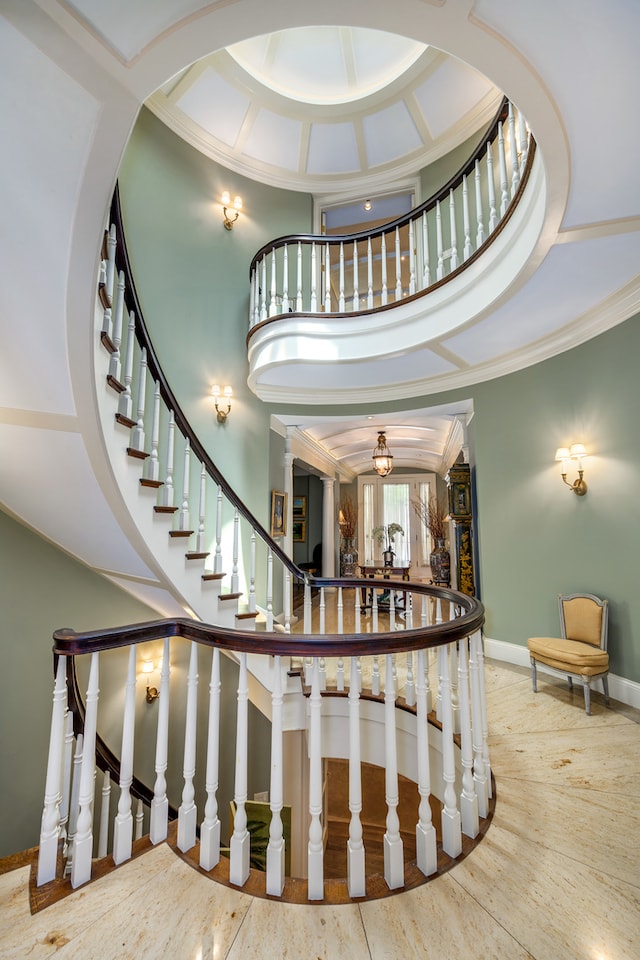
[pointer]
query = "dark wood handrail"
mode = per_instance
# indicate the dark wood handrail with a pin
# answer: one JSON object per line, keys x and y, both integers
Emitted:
{"x": 69, "y": 643}
{"x": 441, "y": 194}
{"x": 132, "y": 302}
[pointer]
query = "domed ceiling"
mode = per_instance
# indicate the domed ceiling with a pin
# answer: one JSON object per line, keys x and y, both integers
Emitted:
{"x": 327, "y": 108}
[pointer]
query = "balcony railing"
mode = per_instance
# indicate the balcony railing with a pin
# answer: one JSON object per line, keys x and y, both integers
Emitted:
{"x": 408, "y": 257}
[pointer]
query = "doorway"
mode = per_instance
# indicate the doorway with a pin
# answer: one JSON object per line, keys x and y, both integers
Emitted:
{"x": 385, "y": 500}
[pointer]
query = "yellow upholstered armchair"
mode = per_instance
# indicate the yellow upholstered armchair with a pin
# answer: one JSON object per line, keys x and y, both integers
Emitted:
{"x": 580, "y": 654}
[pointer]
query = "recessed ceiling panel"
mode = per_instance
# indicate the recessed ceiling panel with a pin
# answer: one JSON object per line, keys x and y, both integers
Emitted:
{"x": 389, "y": 134}
{"x": 275, "y": 140}
{"x": 215, "y": 105}
{"x": 332, "y": 148}
{"x": 449, "y": 93}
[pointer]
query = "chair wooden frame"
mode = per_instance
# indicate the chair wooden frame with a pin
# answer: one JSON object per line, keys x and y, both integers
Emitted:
{"x": 538, "y": 660}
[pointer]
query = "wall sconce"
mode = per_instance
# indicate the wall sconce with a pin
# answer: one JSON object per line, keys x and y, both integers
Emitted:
{"x": 382, "y": 459}
{"x": 576, "y": 452}
{"x": 222, "y": 399}
{"x": 152, "y": 692}
{"x": 237, "y": 206}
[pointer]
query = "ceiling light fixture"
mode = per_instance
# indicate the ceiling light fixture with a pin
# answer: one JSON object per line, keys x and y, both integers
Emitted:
{"x": 382, "y": 459}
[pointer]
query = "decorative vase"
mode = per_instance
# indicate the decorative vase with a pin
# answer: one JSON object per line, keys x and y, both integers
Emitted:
{"x": 440, "y": 563}
{"x": 348, "y": 557}
{"x": 388, "y": 557}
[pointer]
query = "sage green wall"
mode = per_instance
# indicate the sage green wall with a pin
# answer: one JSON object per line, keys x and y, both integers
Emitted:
{"x": 41, "y": 590}
{"x": 192, "y": 277}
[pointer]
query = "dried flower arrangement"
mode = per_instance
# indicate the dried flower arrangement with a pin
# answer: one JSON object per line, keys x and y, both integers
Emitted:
{"x": 433, "y": 515}
{"x": 348, "y": 518}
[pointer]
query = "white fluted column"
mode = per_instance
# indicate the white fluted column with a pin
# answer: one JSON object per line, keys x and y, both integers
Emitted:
{"x": 328, "y": 527}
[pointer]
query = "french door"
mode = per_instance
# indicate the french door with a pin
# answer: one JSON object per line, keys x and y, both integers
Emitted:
{"x": 385, "y": 500}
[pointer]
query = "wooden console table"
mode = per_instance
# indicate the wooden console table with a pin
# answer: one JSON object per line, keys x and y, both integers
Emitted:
{"x": 379, "y": 571}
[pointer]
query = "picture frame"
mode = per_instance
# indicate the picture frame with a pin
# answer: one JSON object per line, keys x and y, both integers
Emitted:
{"x": 299, "y": 531}
{"x": 278, "y": 513}
{"x": 299, "y": 508}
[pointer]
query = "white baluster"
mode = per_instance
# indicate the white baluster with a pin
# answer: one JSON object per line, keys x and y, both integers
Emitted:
{"x": 187, "y": 811}
{"x": 479, "y": 772}
{"x": 357, "y": 610}
{"x": 252, "y": 299}
{"x": 103, "y": 833}
{"x": 375, "y": 676}
{"x": 356, "y": 265}
{"x": 160, "y": 802}
{"x": 239, "y": 852}
{"x": 452, "y": 229}
{"x": 252, "y": 607}
{"x": 392, "y": 610}
{"x": 299, "y": 279}
{"x": 398, "y": 266}
{"x": 285, "y": 279}
{"x": 273, "y": 306}
{"x": 451, "y": 829}
{"x": 210, "y": 829}
{"x": 524, "y": 141}
{"x": 307, "y": 609}
{"x": 384, "y": 295}
{"x": 123, "y": 824}
{"x": 410, "y": 685}
{"x": 115, "y": 371}
{"x": 263, "y": 287}
{"x": 269, "y": 624}
{"x": 314, "y": 280}
{"x": 217, "y": 561}
{"x": 468, "y": 798}
{"x": 480, "y": 234}
{"x": 493, "y": 216}
{"x": 393, "y": 846}
{"x": 513, "y": 151}
{"x": 67, "y": 761}
{"x": 439, "y": 247}
{"x": 315, "y": 852}
{"x": 355, "y": 848}
{"x": 341, "y": 301}
{"x": 276, "y": 845}
{"x": 426, "y": 267}
{"x": 468, "y": 249}
{"x": 374, "y": 610}
{"x": 369, "y": 275}
{"x": 322, "y": 610}
{"x": 83, "y": 843}
{"x": 166, "y": 497}
{"x": 137, "y": 437}
{"x": 74, "y": 805}
{"x": 502, "y": 163}
{"x": 139, "y": 825}
{"x": 125, "y": 403}
{"x": 483, "y": 702}
{"x": 426, "y": 853}
{"x": 109, "y": 279}
{"x": 340, "y": 611}
{"x": 235, "y": 576}
{"x": 152, "y": 464}
{"x": 412, "y": 258}
{"x": 183, "y": 515}
{"x": 49, "y": 829}
{"x": 201, "y": 543}
{"x": 327, "y": 278}
{"x": 453, "y": 679}
{"x": 287, "y": 601}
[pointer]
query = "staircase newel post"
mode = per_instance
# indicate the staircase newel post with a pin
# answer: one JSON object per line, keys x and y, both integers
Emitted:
{"x": 355, "y": 847}
{"x": 123, "y": 825}
{"x": 160, "y": 803}
{"x": 468, "y": 797}
{"x": 276, "y": 845}
{"x": 83, "y": 843}
{"x": 49, "y": 830}
{"x": 393, "y": 846}
{"x": 315, "y": 852}
{"x": 426, "y": 851}
{"x": 210, "y": 829}
{"x": 239, "y": 866}
{"x": 451, "y": 829}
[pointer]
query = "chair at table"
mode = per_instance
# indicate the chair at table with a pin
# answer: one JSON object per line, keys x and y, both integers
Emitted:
{"x": 580, "y": 653}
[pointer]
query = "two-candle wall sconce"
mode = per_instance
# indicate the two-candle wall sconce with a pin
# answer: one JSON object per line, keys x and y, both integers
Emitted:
{"x": 574, "y": 454}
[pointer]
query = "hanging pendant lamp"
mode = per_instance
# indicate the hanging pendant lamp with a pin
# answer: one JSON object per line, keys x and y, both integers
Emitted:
{"x": 382, "y": 459}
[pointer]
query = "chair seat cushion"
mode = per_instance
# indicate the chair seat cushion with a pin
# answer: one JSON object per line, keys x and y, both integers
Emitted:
{"x": 570, "y": 656}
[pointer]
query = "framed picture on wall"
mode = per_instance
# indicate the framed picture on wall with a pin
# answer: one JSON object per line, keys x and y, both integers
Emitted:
{"x": 278, "y": 513}
{"x": 299, "y": 531}
{"x": 299, "y": 508}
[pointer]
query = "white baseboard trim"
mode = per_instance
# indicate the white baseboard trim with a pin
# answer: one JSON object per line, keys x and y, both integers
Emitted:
{"x": 625, "y": 691}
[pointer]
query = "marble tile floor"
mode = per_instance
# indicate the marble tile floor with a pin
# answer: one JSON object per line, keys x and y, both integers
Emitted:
{"x": 556, "y": 878}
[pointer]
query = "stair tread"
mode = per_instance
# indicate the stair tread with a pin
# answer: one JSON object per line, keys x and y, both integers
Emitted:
{"x": 167, "y": 510}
